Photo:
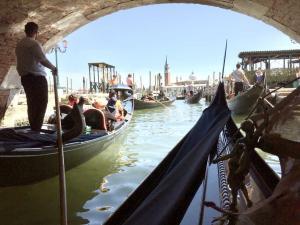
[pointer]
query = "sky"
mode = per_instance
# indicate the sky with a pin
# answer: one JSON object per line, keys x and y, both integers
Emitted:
{"x": 191, "y": 36}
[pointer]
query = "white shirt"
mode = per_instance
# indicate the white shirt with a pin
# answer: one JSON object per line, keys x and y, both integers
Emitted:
{"x": 29, "y": 55}
{"x": 238, "y": 75}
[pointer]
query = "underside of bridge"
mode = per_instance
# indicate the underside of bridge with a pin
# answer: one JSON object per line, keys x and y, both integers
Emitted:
{"x": 58, "y": 18}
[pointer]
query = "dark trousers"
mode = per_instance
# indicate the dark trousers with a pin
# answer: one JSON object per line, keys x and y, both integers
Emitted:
{"x": 238, "y": 87}
{"x": 36, "y": 90}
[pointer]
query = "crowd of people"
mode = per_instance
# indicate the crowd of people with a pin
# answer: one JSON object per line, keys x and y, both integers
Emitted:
{"x": 111, "y": 108}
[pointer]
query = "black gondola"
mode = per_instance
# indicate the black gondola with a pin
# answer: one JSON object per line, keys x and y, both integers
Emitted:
{"x": 194, "y": 99}
{"x": 245, "y": 101}
{"x": 30, "y": 158}
{"x": 186, "y": 178}
{"x": 149, "y": 104}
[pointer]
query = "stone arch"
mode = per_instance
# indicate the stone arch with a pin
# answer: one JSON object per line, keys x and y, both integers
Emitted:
{"x": 60, "y": 18}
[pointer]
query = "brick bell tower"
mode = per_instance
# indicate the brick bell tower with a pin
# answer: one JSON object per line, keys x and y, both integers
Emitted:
{"x": 167, "y": 73}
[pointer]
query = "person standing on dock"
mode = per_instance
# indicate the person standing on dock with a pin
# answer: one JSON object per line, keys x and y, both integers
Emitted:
{"x": 114, "y": 80}
{"x": 129, "y": 81}
{"x": 31, "y": 61}
{"x": 259, "y": 77}
{"x": 239, "y": 78}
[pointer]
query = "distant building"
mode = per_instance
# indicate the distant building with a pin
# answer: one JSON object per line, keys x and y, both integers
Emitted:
{"x": 167, "y": 73}
{"x": 194, "y": 82}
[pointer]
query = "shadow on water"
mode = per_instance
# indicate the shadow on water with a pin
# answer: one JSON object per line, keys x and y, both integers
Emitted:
{"x": 39, "y": 203}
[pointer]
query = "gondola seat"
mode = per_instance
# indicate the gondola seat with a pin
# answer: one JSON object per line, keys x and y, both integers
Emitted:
{"x": 95, "y": 119}
{"x": 65, "y": 109}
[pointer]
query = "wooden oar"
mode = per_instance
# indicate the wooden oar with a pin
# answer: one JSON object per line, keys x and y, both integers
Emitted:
{"x": 61, "y": 161}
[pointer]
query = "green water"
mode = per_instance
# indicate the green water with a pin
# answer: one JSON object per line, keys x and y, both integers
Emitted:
{"x": 96, "y": 188}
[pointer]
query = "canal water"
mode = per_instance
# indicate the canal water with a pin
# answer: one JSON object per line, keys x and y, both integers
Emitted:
{"x": 96, "y": 188}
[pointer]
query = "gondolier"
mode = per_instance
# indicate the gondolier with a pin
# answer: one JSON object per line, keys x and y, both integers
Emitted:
{"x": 239, "y": 78}
{"x": 31, "y": 61}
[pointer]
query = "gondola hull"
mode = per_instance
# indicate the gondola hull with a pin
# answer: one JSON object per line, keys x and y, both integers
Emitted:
{"x": 194, "y": 99}
{"x": 31, "y": 167}
{"x": 244, "y": 102}
{"x": 140, "y": 104}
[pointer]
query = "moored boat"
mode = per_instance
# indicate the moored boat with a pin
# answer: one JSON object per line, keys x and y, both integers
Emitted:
{"x": 153, "y": 103}
{"x": 245, "y": 101}
{"x": 27, "y": 157}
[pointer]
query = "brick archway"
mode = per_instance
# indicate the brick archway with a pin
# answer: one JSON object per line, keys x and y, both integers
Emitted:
{"x": 60, "y": 18}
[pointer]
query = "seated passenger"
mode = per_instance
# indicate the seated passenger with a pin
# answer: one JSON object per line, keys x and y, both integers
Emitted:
{"x": 72, "y": 99}
{"x": 161, "y": 95}
{"x": 99, "y": 104}
{"x": 119, "y": 110}
{"x": 148, "y": 97}
{"x": 114, "y": 106}
{"x": 111, "y": 102}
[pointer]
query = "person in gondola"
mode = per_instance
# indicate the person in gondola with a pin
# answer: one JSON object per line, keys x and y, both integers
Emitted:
{"x": 71, "y": 118}
{"x": 111, "y": 101}
{"x": 259, "y": 77}
{"x": 114, "y": 107}
{"x": 161, "y": 95}
{"x": 119, "y": 111}
{"x": 239, "y": 78}
{"x": 72, "y": 99}
{"x": 99, "y": 104}
{"x": 148, "y": 97}
{"x": 191, "y": 93}
{"x": 31, "y": 61}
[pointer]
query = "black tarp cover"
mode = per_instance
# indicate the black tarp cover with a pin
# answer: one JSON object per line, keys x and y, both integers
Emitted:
{"x": 11, "y": 140}
{"x": 166, "y": 193}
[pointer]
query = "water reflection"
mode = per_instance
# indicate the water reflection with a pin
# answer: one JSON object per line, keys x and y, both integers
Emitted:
{"x": 151, "y": 136}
